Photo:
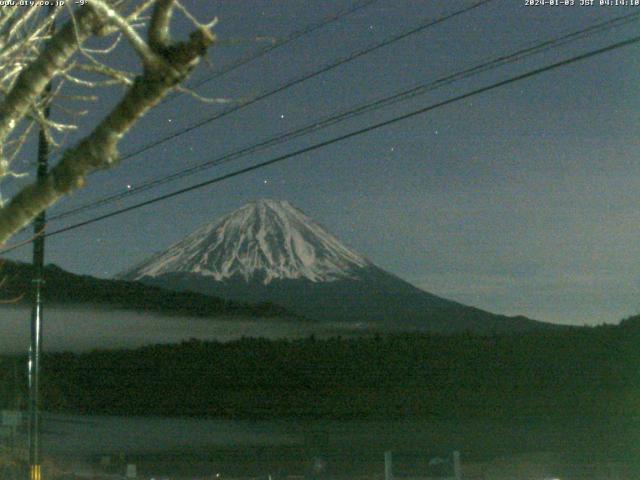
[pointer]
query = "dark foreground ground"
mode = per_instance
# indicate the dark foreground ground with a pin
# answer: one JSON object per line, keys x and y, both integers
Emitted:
{"x": 170, "y": 448}
{"x": 560, "y": 405}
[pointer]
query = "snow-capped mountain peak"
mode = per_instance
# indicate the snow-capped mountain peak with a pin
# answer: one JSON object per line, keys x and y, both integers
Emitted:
{"x": 264, "y": 240}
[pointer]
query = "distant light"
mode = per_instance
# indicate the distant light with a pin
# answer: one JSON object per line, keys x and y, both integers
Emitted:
{"x": 128, "y": 187}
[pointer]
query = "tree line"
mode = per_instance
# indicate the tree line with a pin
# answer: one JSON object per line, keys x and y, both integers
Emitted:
{"x": 586, "y": 372}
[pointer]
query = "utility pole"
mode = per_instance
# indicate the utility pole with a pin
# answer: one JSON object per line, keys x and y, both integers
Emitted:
{"x": 35, "y": 347}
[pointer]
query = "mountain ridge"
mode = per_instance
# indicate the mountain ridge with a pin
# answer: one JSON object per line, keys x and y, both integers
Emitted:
{"x": 64, "y": 288}
{"x": 270, "y": 251}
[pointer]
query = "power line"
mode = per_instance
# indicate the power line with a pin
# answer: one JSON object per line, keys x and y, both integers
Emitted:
{"x": 395, "y": 38}
{"x": 359, "y": 110}
{"x": 423, "y": 26}
{"x": 260, "y": 53}
{"x": 289, "y": 38}
{"x": 339, "y": 15}
{"x": 340, "y": 138}
{"x": 277, "y": 44}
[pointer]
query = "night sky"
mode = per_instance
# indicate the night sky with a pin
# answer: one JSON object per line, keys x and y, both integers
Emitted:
{"x": 522, "y": 200}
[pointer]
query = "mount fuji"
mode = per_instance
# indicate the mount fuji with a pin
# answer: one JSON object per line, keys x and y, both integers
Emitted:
{"x": 270, "y": 251}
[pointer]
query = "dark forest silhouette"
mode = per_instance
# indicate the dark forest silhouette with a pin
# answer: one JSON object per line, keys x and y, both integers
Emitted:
{"x": 581, "y": 372}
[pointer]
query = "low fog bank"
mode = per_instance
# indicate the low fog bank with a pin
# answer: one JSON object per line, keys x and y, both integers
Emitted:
{"x": 81, "y": 329}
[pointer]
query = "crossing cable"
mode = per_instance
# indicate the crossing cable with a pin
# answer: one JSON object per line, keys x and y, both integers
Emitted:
{"x": 339, "y": 15}
{"x": 340, "y": 138}
{"x": 305, "y": 77}
{"x": 353, "y": 112}
{"x": 289, "y": 38}
{"x": 260, "y": 53}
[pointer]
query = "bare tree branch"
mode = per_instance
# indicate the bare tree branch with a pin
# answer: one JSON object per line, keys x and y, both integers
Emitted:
{"x": 169, "y": 65}
{"x": 159, "y": 26}
{"x": 143, "y": 49}
{"x": 33, "y": 80}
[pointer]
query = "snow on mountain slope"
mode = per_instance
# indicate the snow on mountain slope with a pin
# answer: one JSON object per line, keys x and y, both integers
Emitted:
{"x": 269, "y": 251}
{"x": 267, "y": 240}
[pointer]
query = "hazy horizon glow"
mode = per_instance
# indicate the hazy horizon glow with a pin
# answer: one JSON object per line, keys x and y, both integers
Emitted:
{"x": 96, "y": 328}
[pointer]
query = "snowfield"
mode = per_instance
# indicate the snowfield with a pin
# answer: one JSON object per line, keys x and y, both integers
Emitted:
{"x": 268, "y": 239}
